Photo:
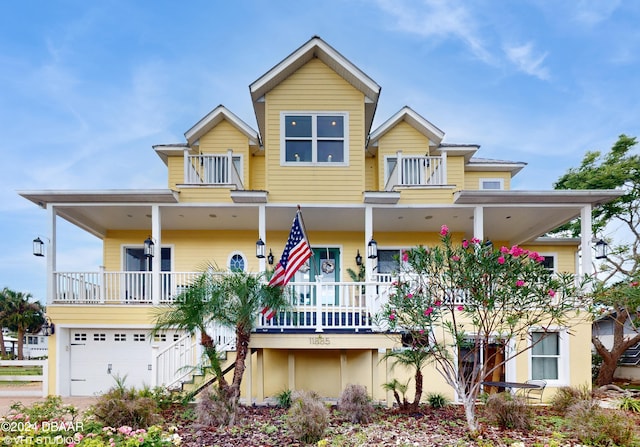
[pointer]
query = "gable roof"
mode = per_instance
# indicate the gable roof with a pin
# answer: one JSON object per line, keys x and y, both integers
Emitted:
{"x": 415, "y": 120}
{"x": 215, "y": 117}
{"x": 315, "y": 48}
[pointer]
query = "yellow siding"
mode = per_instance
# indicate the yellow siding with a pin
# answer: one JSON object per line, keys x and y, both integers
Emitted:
{"x": 421, "y": 196}
{"x": 455, "y": 172}
{"x": 565, "y": 255}
{"x": 256, "y": 173}
{"x": 205, "y": 194}
{"x": 192, "y": 250}
{"x": 315, "y": 87}
{"x": 175, "y": 166}
{"x": 472, "y": 179}
{"x": 371, "y": 174}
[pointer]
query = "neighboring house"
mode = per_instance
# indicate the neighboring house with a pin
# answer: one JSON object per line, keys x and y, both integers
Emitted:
{"x": 35, "y": 346}
{"x": 229, "y": 185}
{"x": 629, "y": 364}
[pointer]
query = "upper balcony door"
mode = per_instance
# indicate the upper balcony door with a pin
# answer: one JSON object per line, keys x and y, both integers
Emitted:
{"x": 323, "y": 266}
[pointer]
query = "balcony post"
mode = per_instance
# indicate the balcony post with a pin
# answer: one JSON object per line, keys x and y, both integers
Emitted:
{"x": 103, "y": 287}
{"x": 156, "y": 289}
{"x": 51, "y": 256}
{"x": 318, "y": 286}
{"x": 186, "y": 165}
{"x": 229, "y": 169}
{"x": 399, "y": 167}
{"x": 586, "y": 239}
{"x": 443, "y": 168}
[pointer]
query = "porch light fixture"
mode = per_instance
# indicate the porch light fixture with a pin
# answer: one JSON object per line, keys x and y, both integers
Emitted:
{"x": 48, "y": 328}
{"x": 358, "y": 259}
{"x": 372, "y": 249}
{"x": 148, "y": 247}
{"x": 260, "y": 248}
{"x": 38, "y": 247}
{"x": 602, "y": 249}
{"x": 270, "y": 258}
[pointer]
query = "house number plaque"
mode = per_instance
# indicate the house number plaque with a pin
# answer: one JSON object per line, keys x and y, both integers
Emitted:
{"x": 319, "y": 340}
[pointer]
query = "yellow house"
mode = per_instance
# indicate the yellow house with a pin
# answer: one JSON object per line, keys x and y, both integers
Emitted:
{"x": 229, "y": 185}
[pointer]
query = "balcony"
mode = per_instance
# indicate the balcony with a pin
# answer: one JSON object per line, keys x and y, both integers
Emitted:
{"x": 314, "y": 306}
{"x": 213, "y": 170}
{"x": 416, "y": 171}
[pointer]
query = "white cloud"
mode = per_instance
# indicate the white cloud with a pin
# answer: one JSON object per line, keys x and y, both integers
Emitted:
{"x": 441, "y": 19}
{"x": 525, "y": 59}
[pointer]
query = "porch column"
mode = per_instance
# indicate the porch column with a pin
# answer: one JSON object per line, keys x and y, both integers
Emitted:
{"x": 343, "y": 369}
{"x": 249, "y": 371}
{"x": 156, "y": 263}
{"x": 387, "y": 379}
{"x": 262, "y": 234}
{"x": 260, "y": 376}
{"x": 51, "y": 255}
{"x": 292, "y": 370}
{"x": 375, "y": 377}
{"x": 586, "y": 238}
{"x": 368, "y": 234}
{"x": 478, "y": 223}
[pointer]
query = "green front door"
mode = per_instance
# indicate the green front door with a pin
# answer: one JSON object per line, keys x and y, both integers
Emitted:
{"x": 327, "y": 264}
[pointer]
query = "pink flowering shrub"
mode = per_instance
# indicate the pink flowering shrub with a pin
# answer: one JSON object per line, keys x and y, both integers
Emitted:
{"x": 474, "y": 295}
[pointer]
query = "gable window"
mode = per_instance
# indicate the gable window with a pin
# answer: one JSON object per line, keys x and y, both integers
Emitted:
{"x": 491, "y": 183}
{"x": 314, "y": 138}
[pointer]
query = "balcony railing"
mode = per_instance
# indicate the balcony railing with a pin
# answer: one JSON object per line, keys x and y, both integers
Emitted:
{"x": 212, "y": 169}
{"x": 417, "y": 171}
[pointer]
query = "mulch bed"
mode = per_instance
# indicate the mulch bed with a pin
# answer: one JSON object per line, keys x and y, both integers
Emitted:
{"x": 265, "y": 426}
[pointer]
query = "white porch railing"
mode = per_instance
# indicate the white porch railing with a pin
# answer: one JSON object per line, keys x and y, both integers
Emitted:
{"x": 417, "y": 171}
{"x": 118, "y": 287}
{"x": 182, "y": 359}
{"x": 211, "y": 169}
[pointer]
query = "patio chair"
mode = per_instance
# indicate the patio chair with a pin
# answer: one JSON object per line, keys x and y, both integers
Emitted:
{"x": 534, "y": 394}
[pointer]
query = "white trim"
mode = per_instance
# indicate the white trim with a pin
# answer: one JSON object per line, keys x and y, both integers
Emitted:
{"x": 314, "y": 138}
{"x": 553, "y": 255}
{"x": 482, "y": 181}
{"x": 563, "y": 355}
{"x": 242, "y": 255}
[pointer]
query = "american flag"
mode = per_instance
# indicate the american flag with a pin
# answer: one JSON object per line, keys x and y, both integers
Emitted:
{"x": 295, "y": 254}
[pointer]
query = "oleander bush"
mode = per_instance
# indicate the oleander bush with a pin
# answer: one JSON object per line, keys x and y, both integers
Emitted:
{"x": 355, "y": 404}
{"x": 308, "y": 417}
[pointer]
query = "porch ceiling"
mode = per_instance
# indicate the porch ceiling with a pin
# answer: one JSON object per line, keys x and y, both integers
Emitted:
{"x": 514, "y": 223}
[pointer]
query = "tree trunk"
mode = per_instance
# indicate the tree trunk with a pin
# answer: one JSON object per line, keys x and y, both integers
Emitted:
{"x": 469, "y": 404}
{"x": 611, "y": 357}
{"x": 415, "y": 405}
{"x": 20, "y": 337}
{"x": 3, "y": 350}
{"x": 242, "y": 351}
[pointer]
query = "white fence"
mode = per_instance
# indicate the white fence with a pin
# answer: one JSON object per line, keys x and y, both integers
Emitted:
{"x": 25, "y": 381}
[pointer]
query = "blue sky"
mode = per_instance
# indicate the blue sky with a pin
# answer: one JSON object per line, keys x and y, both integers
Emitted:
{"x": 86, "y": 88}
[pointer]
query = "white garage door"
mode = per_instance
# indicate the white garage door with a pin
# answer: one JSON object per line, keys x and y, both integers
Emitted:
{"x": 98, "y": 356}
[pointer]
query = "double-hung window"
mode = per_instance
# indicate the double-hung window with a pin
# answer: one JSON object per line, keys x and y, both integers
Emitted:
{"x": 549, "y": 354}
{"x": 314, "y": 138}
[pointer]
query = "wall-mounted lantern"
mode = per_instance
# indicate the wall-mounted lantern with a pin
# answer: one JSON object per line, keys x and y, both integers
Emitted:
{"x": 38, "y": 247}
{"x": 149, "y": 247}
{"x": 372, "y": 249}
{"x": 260, "y": 249}
{"x": 602, "y": 249}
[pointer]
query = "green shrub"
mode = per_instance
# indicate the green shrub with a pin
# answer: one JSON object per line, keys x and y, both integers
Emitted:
{"x": 214, "y": 409}
{"x": 568, "y": 396}
{"x": 51, "y": 409}
{"x": 308, "y": 417}
{"x": 355, "y": 403}
{"x": 437, "y": 400}
{"x": 630, "y": 404}
{"x": 284, "y": 398}
{"x": 597, "y": 426}
{"x": 126, "y": 406}
{"x": 508, "y": 411}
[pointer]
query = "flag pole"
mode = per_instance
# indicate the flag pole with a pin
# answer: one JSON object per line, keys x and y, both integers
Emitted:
{"x": 304, "y": 229}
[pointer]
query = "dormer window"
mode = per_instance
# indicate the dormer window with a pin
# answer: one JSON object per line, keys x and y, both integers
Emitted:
{"x": 314, "y": 138}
